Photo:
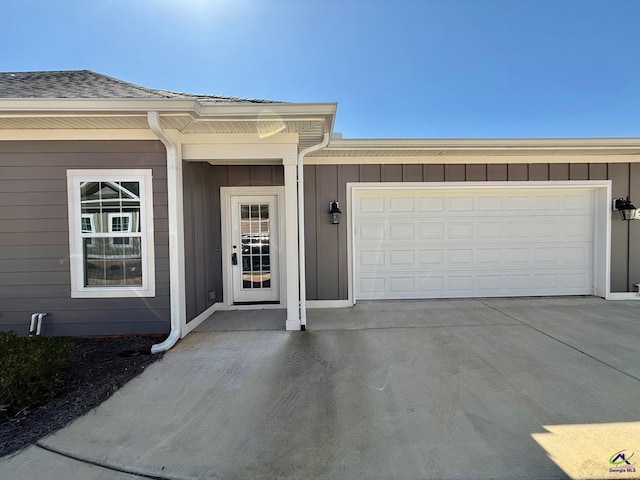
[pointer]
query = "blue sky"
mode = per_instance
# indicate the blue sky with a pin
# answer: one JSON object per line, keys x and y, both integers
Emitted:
{"x": 397, "y": 68}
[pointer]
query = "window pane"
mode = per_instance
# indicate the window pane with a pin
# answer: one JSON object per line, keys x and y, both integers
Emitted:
{"x": 108, "y": 262}
{"x": 104, "y": 201}
{"x": 255, "y": 238}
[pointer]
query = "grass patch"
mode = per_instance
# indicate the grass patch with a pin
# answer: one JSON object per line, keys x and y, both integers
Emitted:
{"x": 31, "y": 370}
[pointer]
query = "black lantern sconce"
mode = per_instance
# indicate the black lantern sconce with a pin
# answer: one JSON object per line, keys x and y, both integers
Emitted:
{"x": 334, "y": 212}
{"x": 625, "y": 208}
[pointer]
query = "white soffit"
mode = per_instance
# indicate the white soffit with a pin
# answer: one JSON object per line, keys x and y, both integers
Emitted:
{"x": 310, "y": 132}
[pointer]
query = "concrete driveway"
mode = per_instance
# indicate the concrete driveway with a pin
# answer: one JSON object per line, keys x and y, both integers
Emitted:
{"x": 505, "y": 388}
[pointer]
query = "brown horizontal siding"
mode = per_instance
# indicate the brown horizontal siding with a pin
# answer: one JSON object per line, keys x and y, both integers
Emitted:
{"x": 34, "y": 238}
{"x": 326, "y": 245}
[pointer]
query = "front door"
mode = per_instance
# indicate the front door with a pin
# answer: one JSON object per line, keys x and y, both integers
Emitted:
{"x": 254, "y": 248}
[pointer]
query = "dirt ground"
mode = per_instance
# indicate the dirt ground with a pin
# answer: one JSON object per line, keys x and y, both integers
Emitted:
{"x": 96, "y": 368}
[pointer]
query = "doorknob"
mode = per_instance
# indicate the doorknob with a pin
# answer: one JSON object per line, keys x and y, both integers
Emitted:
{"x": 234, "y": 259}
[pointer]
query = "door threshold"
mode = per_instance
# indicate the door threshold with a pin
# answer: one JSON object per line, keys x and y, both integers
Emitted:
{"x": 275, "y": 302}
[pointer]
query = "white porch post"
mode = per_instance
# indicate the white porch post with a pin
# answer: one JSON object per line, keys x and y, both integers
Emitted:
{"x": 291, "y": 241}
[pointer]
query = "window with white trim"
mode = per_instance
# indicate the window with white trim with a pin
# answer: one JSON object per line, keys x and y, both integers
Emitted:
{"x": 111, "y": 233}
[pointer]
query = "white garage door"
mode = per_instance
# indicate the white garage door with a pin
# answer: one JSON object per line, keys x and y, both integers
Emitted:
{"x": 473, "y": 243}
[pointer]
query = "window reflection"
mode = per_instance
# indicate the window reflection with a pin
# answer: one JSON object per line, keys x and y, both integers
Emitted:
{"x": 255, "y": 239}
{"x": 111, "y": 231}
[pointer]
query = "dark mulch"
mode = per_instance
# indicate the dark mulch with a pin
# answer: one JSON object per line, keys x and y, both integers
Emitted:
{"x": 96, "y": 368}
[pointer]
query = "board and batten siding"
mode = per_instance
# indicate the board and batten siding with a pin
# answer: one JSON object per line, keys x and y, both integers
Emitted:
{"x": 202, "y": 224}
{"x": 326, "y": 244}
{"x": 34, "y": 239}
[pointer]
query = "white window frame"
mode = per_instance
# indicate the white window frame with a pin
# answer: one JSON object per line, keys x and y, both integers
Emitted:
{"x": 74, "y": 179}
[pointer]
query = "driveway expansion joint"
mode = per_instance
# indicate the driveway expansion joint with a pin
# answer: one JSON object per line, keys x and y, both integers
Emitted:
{"x": 560, "y": 341}
{"x": 95, "y": 463}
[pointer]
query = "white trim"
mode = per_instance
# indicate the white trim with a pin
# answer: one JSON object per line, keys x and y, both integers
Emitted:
{"x": 291, "y": 243}
{"x": 602, "y": 223}
{"x": 220, "y": 306}
{"x": 145, "y": 178}
{"x": 478, "y": 185}
{"x": 623, "y": 296}
{"x": 239, "y": 139}
{"x": 76, "y": 134}
{"x": 225, "y": 222}
{"x": 237, "y": 151}
{"x": 482, "y": 143}
{"x": 78, "y": 107}
{"x": 360, "y": 158}
{"x": 329, "y": 303}
{"x": 199, "y": 319}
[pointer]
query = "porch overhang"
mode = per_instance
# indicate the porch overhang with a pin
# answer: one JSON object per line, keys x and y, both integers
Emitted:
{"x": 30, "y": 119}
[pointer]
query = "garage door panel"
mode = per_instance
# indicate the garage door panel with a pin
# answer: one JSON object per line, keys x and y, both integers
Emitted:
{"x": 489, "y": 203}
{"x": 372, "y": 231}
{"x": 430, "y": 204}
{"x": 496, "y": 243}
{"x": 460, "y": 256}
{"x": 430, "y": 258}
{"x": 401, "y": 258}
{"x": 401, "y": 285}
{"x": 489, "y": 256}
{"x": 488, "y": 230}
{"x": 401, "y": 204}
{"x": 371, "y": 258}
{"x": 431, "y": 231}
{"x": 371, "y": 205}
{"x": 461, "y": 230}
{"x": 460, "y": 203}
{"x": 518, "y": 203}
{"x": 466, "y": 283}
{"x": 446, "y": 256}
{"x": 402, "y": 231}
{"x": 430, "y": 286}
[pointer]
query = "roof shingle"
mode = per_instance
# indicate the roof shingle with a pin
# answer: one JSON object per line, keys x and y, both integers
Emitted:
{"x": 87, "y": 84}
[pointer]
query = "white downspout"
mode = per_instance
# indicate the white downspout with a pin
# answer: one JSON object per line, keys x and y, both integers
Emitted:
{"x": 301, "y": 249}
{"x": 176, "y": 250}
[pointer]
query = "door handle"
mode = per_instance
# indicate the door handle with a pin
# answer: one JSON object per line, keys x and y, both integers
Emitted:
{"x": 234, "y": 259}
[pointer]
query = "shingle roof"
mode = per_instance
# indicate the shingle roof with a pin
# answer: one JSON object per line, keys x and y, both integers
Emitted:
{"x": 88, "y": 84}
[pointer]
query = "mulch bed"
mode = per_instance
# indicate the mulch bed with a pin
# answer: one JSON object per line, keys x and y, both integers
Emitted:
{"x": 96, "y": 368}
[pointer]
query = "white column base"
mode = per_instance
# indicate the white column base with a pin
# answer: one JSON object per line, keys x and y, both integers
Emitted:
{"x": 293, "y": 325}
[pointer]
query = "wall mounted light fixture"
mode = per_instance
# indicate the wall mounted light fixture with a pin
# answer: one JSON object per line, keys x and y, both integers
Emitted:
{"x": 334, "y": 212}
{"x": 625, "y": 208}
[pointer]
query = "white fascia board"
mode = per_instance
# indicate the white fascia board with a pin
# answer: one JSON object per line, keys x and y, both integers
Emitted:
{"x": 87, "y": 105}
{"x": 540, "y": 157}
{"x": 269, "y": 111}
{"x": 77, "y": 134}
{"x": 482, "y": 143}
